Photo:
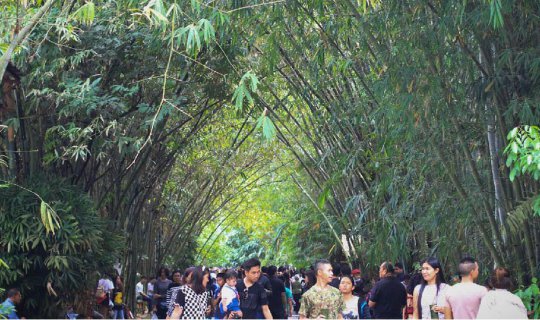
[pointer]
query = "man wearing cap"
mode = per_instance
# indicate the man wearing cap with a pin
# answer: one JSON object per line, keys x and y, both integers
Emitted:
{"x": 358, "y": 282}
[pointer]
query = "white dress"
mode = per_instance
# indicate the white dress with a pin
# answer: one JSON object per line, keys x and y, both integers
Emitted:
{"x": 431, "y": 297}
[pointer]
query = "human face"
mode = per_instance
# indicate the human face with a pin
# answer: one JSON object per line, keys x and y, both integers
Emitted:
{"x": 143, "y": 281}
{"x": 205, "y": 279}
{"x": 325, "y": 273}
{"x": 398, "y": 270}
{"x": 346, "y": 286}
{"x": 231, "y": 282}
{"x": 382, "y": 271}
{"x": 220, "y": 281}
{"x": 177, "y": 277}
{"x": 428, "y": 273}
{"x": 17, "y": 298}
{"x": 253, "y": 274}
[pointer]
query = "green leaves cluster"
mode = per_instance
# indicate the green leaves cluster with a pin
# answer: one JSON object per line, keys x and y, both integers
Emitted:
{"x": 523, "y": 151}
{"x": 66, "y": 252}
{"x": 244, "y": 90}
{"x": 531, "y": 298}
{"x": 85, "y": 14}
{"x": 523, "y": 155}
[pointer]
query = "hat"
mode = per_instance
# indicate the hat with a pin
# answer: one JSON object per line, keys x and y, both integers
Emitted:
{"x": 356, "y": 271}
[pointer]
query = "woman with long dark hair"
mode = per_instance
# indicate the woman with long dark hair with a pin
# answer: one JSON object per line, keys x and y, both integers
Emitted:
{"x": 190, "y": 301}
{"x": 428, "y": 297}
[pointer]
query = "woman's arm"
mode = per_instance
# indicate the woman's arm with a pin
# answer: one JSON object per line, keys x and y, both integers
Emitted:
{"x": 176, "y": 314}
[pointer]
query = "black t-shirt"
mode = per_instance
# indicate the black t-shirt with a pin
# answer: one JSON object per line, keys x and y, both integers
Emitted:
{"x": 274, "y": 300}
{"x": 264, "y": 281}
{"x": 252, "y": 300}
{"x": 390, "y": 296}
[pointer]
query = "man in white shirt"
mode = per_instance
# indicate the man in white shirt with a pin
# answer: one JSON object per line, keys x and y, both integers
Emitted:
{"x": 141, "y": 295}
{"x": 106, "y": 286}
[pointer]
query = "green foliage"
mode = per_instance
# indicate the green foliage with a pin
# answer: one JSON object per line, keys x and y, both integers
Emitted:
{"x": 68, "y": 259}
{"x": 85, "y": 14}
{"x": 268, "y": 128}
{"x": 531, "y": 298}
{"x": 523, "y": 155}
{"x": 244, "y": 90}
{"x": 523, "y": 151}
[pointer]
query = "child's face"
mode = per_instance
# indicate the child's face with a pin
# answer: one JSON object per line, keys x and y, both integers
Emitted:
{"x": 231, "y": 282}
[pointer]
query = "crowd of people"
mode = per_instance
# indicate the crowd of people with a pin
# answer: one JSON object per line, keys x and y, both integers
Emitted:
{"x": 324, "y": 291}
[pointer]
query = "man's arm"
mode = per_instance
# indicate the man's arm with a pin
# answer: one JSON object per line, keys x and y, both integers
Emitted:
{"x": 266, "y": 312}
{"x": 373, "y": 296}
{"x": 448, "y": 313}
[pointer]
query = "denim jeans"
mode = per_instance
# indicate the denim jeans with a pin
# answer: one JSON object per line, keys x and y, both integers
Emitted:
{"x": 118, "y": 313}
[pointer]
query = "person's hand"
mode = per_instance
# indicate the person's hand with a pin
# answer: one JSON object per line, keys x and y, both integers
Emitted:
{"x": 438, "y": 309}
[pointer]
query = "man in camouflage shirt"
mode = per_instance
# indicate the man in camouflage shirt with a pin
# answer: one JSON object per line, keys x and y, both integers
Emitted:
{"x": 322, "y": 300}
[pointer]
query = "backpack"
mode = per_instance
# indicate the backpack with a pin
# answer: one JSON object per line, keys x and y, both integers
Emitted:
{"x": 363, "y": 309}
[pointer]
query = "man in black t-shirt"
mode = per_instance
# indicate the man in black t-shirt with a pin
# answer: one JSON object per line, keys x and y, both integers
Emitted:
{"x": 388, "y": 296}
{"x": 264, "y": 281}
{"x": 253, "y": 299}
{"x": 277, "y": 300}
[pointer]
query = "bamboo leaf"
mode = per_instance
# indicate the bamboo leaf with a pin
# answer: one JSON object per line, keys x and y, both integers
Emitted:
{"x": 85, "y": 14}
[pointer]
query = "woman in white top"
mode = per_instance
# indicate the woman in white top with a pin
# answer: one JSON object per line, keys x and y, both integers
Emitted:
{"x": 346, "y": 286}
{"x": 428, "y": 296}
{"x": 500, "y": 303}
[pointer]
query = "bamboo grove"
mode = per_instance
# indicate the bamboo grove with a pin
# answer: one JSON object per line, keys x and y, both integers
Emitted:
{"x": 384, "y": 122}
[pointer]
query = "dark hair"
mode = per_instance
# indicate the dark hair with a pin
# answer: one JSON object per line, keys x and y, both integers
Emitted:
{"x": 13, "y": 292}
{"x": 282, "y": 269}
{"x": 119, "y": 286}
{"x": 416, "y": 279}
{"x": 346, "y": 269}
{"x": 167, "y": 272}
{"x": 186, "y": 274}
{"x": 143, "y": 277}
{"x": 286, "y": 280}
{"x": 311, "y": 277}
{"x": 196, "y": 282}
{"x": 500, "y": 279}
{"x": 319, "y": 263}
{"x": 398, "y": 265}
{"x": 467, "y": 259}
{"x": 388, "y": 267}
{"x": 466, "y": 266}
{"x": 250, "y": 263}
{"x": 222, "y": 274}
{"x": 272, "y": 271}
{"x": 264, "y": 269}
{"x": 435, "y": 264}
{"x": 336, "y": 269}
{"x": 230, "y": 275}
